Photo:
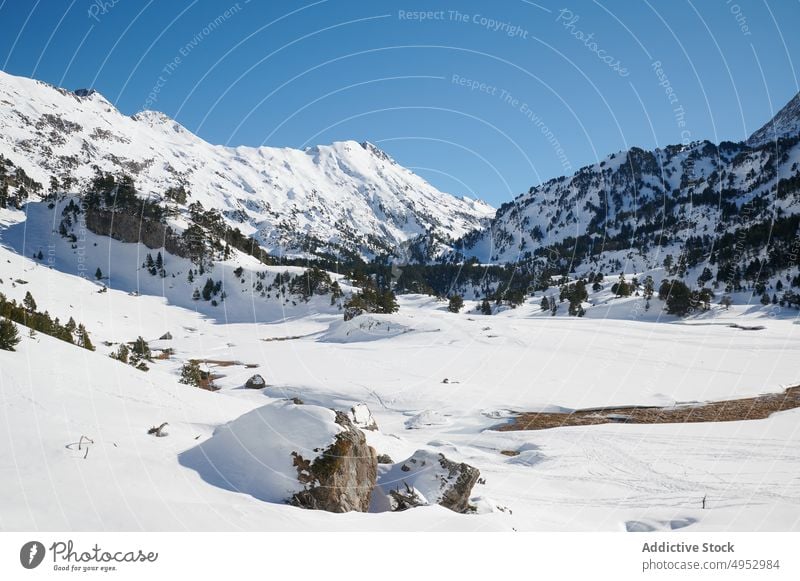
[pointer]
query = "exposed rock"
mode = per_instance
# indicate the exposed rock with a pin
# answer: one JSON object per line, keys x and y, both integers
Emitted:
{"x": 255, "y": 382}
{"x": 131, "y": 227}
{"x": 362, "y": 417}
{"x": 429, "y": 478}
{"x": 166, "y": 337}
{"x": 385, "y": 459}
{"x": 458, "y": 485}
{"x": 342, "y": 477}
{"x": 400, "y": 500}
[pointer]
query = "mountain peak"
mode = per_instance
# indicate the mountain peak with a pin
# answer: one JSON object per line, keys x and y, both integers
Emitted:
{"x": 785, "y": 123}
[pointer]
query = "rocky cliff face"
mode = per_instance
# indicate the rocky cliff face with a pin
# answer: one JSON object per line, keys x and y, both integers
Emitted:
{"x": 127, "y": 227}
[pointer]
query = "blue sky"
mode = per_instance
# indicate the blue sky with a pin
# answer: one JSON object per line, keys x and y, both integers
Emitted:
{"x": 481, "y": 98}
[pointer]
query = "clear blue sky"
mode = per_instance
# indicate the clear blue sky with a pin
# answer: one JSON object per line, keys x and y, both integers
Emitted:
{"x": 284, "y": 73}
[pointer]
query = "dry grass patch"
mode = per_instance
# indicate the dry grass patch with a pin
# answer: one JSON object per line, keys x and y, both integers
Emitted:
{"x": 753, "y": 408}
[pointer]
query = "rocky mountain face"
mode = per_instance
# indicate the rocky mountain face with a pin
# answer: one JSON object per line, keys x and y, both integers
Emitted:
{"x": 347, "y": 198}
{"x": 786, "y": 123}
{"x": 727, "y": 212}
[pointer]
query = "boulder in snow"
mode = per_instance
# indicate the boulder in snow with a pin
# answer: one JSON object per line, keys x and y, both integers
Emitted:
{"x": 342, "y": 477}
{"x": 255, "y": 382}
{"x": 428, "y": 478}
{"x": 309, "y": 456}
{"x": 166, "y": 337}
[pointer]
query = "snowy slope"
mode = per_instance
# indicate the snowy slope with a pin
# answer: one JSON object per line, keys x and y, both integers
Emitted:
{"x": 345, "y": 196}
{"x": 613, "y": 477}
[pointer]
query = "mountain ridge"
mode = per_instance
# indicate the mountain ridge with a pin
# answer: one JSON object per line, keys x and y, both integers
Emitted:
{"x": 344, "y": 198}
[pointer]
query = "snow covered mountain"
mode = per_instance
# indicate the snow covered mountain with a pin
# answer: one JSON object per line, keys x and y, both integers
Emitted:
{"x": 785, "y": 124}
{"x": 346, "y": 198}
{"x": 731, "y": 208}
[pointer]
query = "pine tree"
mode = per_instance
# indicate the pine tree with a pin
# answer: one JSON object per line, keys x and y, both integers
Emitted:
{"x": 9, "y": 335}
{"x": 456, "y": 304}
{"x": 191, "y": 373}
{"x": 486, "y": 308}
{"x": 196, "y": 294}
{"x": 71, "y": 325}
{"x": 29, "y": 303}
{"x": 208, "y": 290}
{"x": 98, "y": 274}
{"x": 648, "y": 288}
{"x": 545, "y": 304}
{"x": 121, "y": 354}
{"x": 83, "y": 338}
{"x": 141, "y": 349}
{"x": 765, "y": 299}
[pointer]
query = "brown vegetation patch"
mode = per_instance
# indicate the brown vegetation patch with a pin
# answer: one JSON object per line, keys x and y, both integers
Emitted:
{"x": 753, "y": 408}
{"x": 226, "y": 363}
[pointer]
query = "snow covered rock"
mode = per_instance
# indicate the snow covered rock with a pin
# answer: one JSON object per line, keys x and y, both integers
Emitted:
{"x": 342, "y": 477}
{"x": 166, "y": 337}
{"x": 362, "y": 418}
{"x": 428, "y": 478}
{"x": 257, "y": 453}
{"x": 255, "y": 382}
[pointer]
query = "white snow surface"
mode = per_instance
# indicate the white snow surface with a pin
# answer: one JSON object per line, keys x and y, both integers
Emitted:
{"x": 610, "y": 477}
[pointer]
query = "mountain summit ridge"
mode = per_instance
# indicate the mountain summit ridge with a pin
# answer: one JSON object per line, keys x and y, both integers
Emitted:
{"x": 343, "y": 198}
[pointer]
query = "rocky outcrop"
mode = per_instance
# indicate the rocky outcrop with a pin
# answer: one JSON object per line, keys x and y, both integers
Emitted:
{"x": 342, "y": 477}
{"x": 130, "y": 227}
{"x": 428, "y": 478}
{"x": 457, "y": 485}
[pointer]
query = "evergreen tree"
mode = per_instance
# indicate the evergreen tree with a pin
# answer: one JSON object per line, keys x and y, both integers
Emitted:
{"x": 190, "y": 276}
{"x": 456, "y": 304}
{"x": 196, "y": 294}
{"x": 98, "y": 274}
{"x": 191, "y": 373}
{"x": 141, "y": 349}
{"x": 486, "y": 308}
{"x": 208, "y": 290}
{"x": 9, "y": 335}
{"x": 29, "y": 303}
{"x": 83, "y": 338}
{"x": 765, "y": 299}
{"x": 648, "y": 287}
{"x": 621, "y": 288}
{"x": 121, "y": 354}
{"x": 545, "y": 304}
